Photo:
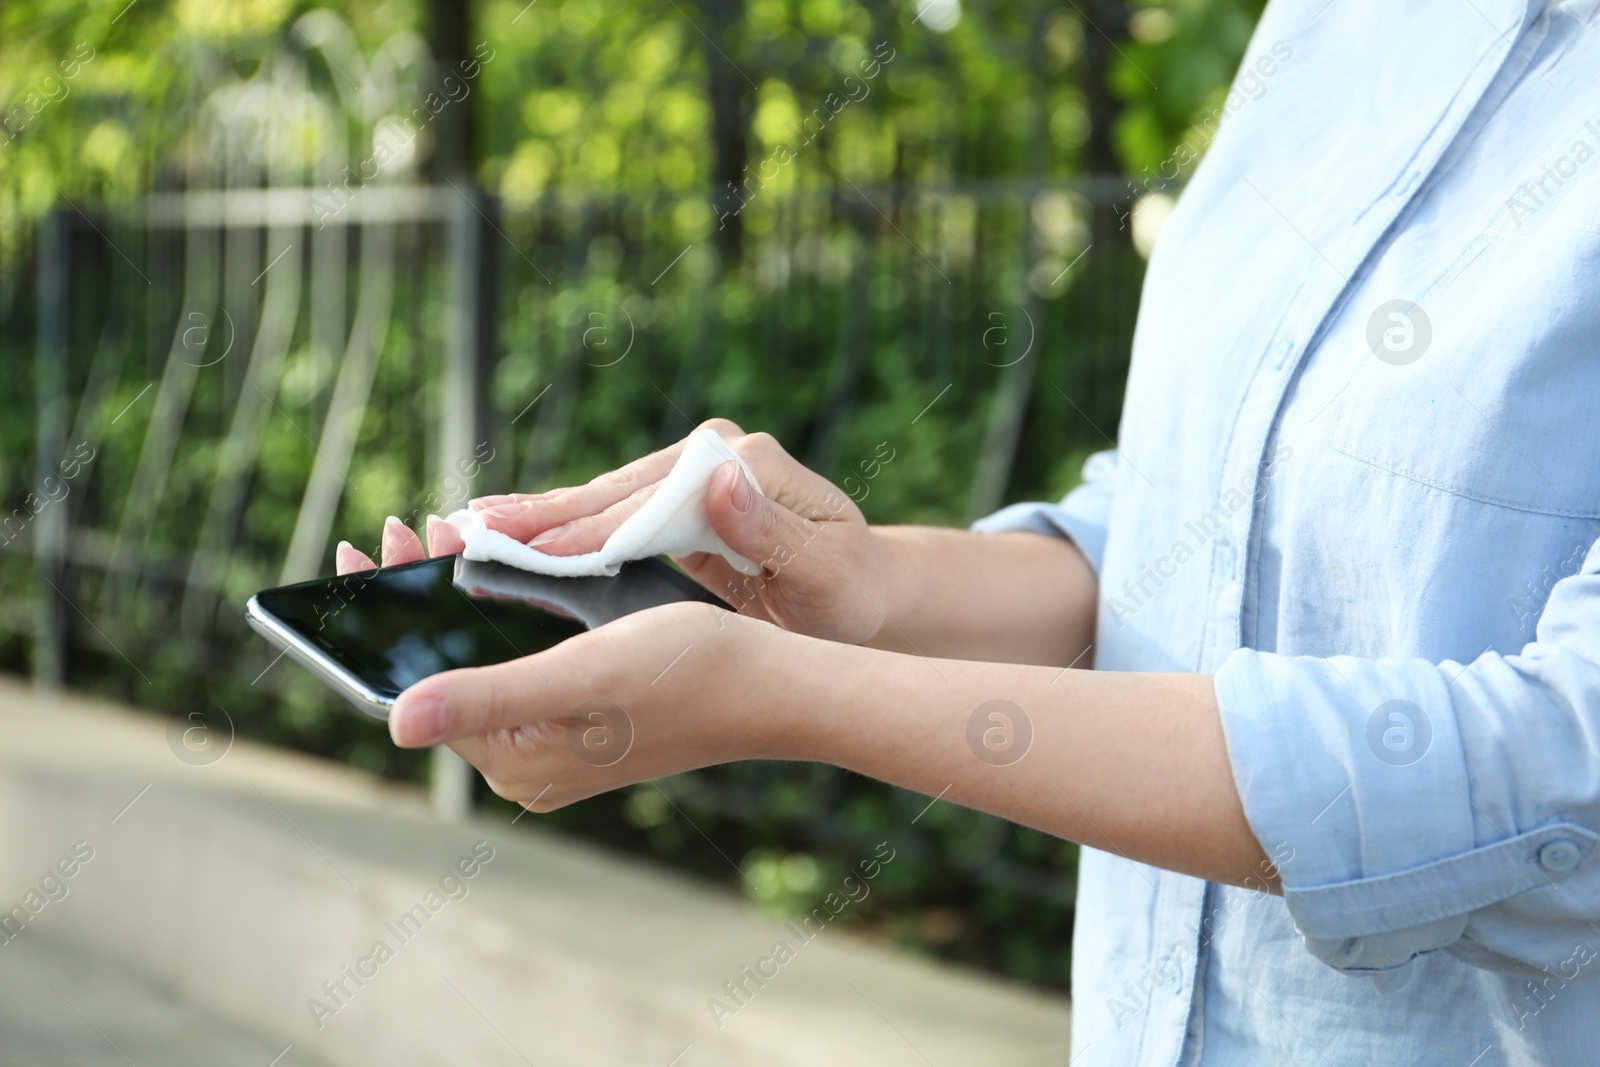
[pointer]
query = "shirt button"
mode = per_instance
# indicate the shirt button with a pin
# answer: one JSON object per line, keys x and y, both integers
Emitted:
{"x": 1559, "y": 857}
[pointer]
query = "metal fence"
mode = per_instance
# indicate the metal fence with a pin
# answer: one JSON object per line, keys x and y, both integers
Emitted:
{"x": 191, "y": 323}
{"x": 209, "y": 388}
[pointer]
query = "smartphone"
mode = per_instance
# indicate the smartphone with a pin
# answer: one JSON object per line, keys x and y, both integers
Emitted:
{"x": 372, "y": 634}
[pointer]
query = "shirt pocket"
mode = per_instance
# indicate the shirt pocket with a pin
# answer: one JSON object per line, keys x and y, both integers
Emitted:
{"x": 1488, "y": 387}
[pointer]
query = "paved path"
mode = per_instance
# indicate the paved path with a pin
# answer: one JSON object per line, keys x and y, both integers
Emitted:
{"x": 62, "y": 1005}
{"x": 228, "y": 911}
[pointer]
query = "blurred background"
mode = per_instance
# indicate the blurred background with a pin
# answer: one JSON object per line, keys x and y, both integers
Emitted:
{"x": 270, "y": 272}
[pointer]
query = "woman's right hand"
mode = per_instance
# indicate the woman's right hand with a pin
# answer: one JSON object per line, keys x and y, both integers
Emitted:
{"x": 820, "y": 569}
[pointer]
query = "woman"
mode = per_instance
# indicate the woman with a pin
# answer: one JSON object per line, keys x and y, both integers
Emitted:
{"x": 1338, "y": 765}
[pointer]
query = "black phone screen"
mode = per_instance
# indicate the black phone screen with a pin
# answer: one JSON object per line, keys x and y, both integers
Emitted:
{"x": 394, "y": 626}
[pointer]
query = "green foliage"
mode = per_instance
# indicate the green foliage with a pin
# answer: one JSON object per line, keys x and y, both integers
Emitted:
{"x": 1174, "y": 72}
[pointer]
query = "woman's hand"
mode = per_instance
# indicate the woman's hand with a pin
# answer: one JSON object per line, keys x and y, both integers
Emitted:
{"x": 1013, "y": 597}
{"x": 657, "y": 692}
{"x": 819, "y": 569}
{"x": 1133, "y": 763}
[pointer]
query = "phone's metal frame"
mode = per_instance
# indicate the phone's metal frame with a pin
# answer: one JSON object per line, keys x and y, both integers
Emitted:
{"x": 317, "y": 661}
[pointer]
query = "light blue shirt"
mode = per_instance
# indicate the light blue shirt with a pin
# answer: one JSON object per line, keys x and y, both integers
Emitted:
{"x": 1358, "y": 479}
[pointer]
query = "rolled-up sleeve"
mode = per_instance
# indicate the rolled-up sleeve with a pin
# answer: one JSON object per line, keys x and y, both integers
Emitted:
{"x": 1421, "y": 806}
{"x": 1082, "y": 514}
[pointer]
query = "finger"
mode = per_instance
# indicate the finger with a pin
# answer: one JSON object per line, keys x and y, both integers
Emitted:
{"x": 443, "y": 539}
{"x": 474, "y": 700}
{"x": 591, "y": 532}
{"x": 478, "y": 503}
{"x": 526, "y": 518}
{"x": 757, "y": 527}
{"x": 347, "y": 559}
{"x": 400, "y": 544}
{"x": 790, "y": 483}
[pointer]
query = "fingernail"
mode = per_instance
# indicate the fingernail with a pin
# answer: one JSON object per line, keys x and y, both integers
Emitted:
{"x": 555, "y": 533}
{"x": 432, "y": 524}
{"x": 507, "y": 511}
{"x": 479, "y": 503}
{"x": 742, "y": 495}
{"x": 393, "y": 532}
{"x": 418, "y": 722}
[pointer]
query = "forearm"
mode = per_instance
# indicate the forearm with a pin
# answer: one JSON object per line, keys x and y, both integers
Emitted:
{"x": 1008, "y": 597}
{"x": 1134, "y": 764}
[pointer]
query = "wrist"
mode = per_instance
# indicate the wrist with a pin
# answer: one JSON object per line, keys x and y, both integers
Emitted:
{"x": 788, "y": 689}
{"x": 894, "y": 560}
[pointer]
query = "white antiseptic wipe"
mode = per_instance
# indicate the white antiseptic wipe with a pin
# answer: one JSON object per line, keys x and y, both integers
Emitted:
{"x": 673, "y": 521}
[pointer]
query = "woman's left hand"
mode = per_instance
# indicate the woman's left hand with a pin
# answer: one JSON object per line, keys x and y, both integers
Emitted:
{"x": 665, "y": 690}
{"x": 687, "y": 685}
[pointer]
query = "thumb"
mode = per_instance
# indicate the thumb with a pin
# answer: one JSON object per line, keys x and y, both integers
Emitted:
{"x": 755, "y": 526}
{"x": 473, "y": 700}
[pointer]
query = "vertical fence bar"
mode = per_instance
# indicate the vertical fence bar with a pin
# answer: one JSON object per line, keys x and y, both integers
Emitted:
{"x": 461, "y": 422}
{"x": 50, "y": 382}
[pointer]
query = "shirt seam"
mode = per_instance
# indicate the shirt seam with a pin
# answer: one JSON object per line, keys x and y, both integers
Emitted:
{"x": 1433, "y": 483}
{"x": 1399, "y": 883}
